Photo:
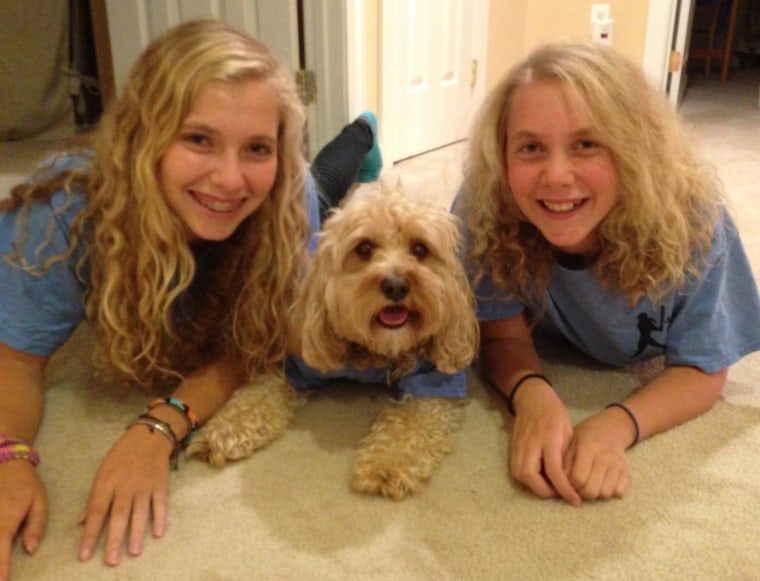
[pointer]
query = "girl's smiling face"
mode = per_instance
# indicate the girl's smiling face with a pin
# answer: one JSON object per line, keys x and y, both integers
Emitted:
{"x": 562, "y": 176}
{"x": 223, "y": 162}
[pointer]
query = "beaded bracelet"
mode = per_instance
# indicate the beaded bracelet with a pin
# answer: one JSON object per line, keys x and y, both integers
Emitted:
{"x": 633, "y": 419}
{"x": 190, "y": 418}
{"x": 161, "y": 426}
{"x": 13, "y": 448}
{"x": 523, "y": 379}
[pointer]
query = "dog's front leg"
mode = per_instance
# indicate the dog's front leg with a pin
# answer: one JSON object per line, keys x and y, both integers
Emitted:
{"x": 405, "y": 446}
{"x": 255, "y": 415}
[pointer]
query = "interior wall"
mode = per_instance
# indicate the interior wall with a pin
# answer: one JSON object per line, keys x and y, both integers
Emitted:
{"x": 516, "y": 26}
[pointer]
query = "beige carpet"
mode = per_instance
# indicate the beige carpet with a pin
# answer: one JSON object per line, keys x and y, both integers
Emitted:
{"x": 692, "y": 510}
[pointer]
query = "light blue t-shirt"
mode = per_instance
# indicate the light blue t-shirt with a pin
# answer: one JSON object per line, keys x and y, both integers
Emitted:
{"x": 710, "y": 324}
{"x": 39, "y": 312}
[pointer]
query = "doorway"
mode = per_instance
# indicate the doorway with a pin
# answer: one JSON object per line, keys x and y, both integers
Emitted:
{"x": 743, "y": 71}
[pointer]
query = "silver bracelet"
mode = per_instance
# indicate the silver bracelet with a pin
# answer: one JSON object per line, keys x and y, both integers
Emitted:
{"x": 160, "y": 425}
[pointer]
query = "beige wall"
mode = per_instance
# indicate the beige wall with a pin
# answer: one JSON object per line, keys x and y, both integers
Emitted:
{"x": 516, "y": 26}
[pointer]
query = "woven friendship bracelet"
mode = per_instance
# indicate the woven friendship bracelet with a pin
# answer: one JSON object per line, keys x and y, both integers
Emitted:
{"x": 523, "y": 379}
{"x": 190, "y": 418}
{"x": 10, "y": 450}
{"x": 630, "y": 415}
{"x": 154, "y": 424}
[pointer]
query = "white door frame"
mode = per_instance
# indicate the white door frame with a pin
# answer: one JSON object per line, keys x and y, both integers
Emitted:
{"x": 668, "y": 28}
{"x": 336, "y": 50}
{"x": 327, "y": 35}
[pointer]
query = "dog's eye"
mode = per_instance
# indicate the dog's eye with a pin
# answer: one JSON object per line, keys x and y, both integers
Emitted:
{"x": 364, "y": 249}
{"x": 420, "y": 250}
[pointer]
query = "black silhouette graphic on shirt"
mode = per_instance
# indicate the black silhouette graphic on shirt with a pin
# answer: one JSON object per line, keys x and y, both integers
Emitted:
{"x": 648, "y": 325}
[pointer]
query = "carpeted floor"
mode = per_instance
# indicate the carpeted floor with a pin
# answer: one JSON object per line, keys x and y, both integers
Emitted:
{"x": 692, "y": 510}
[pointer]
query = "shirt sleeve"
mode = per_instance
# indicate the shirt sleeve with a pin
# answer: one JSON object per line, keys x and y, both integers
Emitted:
{"x": 39, "y": 311}
{"x": 311, "y": 202}
{"x": 716, "y": 319}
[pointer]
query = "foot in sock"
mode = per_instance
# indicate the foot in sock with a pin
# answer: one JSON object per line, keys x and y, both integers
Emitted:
{"x": 372, "y": 165}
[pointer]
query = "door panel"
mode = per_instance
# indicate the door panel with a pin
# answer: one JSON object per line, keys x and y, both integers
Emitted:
{"x": 132, "y": 24}
{"x": 428, "y": 91}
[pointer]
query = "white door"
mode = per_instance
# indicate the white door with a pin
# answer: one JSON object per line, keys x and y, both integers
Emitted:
{"x": 432, "y": 72}
{"x": 666, "y": 49}
{"x": 132, "y": 24}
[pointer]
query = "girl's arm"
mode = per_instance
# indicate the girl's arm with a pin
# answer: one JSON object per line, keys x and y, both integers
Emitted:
{"x": 133, "y": 480}
{"x": 597, "y": 457}
{"x": 542, "y": 431}
{"x": 23, "y": 500}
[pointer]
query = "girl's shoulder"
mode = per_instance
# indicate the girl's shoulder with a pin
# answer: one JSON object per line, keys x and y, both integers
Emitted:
{"x": 45, "y": 221}
{"x": 725, "y": 237}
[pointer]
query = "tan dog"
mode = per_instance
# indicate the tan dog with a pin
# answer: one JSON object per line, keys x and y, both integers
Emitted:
{"x": 385, "y": 298}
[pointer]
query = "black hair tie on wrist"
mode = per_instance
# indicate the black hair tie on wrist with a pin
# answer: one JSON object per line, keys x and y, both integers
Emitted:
{"x": 523, "y": 379}
{"x": 630, "y": 415}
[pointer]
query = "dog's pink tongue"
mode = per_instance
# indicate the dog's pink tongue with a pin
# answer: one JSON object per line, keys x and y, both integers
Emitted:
{"x": 393, "y": 316}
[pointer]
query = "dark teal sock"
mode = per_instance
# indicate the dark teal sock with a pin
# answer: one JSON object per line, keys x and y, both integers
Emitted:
{"x": 372, "y": 165}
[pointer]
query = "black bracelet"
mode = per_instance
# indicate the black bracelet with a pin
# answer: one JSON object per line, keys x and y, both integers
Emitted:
{"x": 511, "y": 396}
{"x": 630, "y": 415}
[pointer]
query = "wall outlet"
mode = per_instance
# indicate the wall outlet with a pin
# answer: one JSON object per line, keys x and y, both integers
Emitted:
{"x": 601, "y": 24}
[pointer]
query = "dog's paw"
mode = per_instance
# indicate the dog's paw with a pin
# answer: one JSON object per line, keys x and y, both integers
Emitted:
{"x": 204, "y": 446}
{"x": 254, "y": 416}
{"x": 405, "y": 447}
{"x": 396, "y": 482}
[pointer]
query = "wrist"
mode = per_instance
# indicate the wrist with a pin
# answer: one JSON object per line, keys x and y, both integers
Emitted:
{"x": 12, "y": 448}
{"x": 627, "y": 423}
{"x": 178, "y": 415}
{"x": 171, "y": 418}
{"x": 522, "y": 386}
{"x": 154, "y": 425}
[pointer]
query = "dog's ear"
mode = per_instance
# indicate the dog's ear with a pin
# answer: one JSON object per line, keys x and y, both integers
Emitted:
{"x": 313, "y": 337}
{"x": 455, "y": 346}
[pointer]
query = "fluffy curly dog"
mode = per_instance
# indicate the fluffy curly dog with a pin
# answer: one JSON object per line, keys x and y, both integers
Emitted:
{"x": 384, "y": 299}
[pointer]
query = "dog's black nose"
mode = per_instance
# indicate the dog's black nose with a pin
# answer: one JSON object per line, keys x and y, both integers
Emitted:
{"x": 395, "y": 287}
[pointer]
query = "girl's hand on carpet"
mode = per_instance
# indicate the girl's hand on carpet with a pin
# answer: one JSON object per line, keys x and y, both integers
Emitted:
{"x": 131, "y": 484}
{"x": 596, "y": 460}
{"x": 23, "y": 509}
{"x": 540, "y": 437}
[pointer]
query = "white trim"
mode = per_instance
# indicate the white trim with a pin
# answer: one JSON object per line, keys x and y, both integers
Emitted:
{"x": 659, "y": 40}
{"x": 325, "y": 40}
{"x": 356, "y": 57}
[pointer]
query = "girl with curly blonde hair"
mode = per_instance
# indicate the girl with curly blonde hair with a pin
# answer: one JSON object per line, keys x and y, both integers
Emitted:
{"x": 179, "y": 233}
{"x": 589, "y": 216}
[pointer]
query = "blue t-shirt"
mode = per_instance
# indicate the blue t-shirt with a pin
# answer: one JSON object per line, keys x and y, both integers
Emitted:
{"x": 710, "y": 324}
{"x": 39, "y": 312}
{"x": 424, "y": 380}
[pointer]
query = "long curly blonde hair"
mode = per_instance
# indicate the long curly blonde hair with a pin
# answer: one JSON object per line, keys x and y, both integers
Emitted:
{"x": 659, "y": 231}
{"x": 135, "y": 256}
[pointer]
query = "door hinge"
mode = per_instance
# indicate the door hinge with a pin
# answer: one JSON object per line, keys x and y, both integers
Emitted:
{"x": 306, "y": 81}
{"x": 474, "y": 72}
{"x": 676, "y": 62}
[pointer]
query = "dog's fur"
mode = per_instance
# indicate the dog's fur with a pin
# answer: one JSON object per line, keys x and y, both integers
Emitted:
{"x": 385, "y": 288}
